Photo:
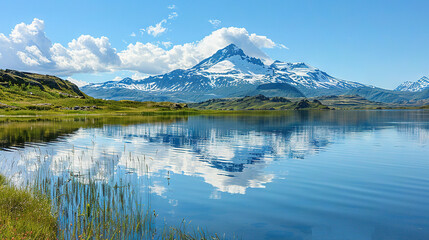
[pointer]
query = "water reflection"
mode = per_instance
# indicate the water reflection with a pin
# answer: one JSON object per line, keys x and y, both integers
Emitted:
{"x": 302, "y": 174}
{"x": 231, "y": 153}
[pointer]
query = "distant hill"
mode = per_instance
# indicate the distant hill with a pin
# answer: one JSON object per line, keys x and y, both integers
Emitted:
{"x": 350, "y": 102}
{"x": 16, "y": 85}
{"x": 389, "y": 96}
{"x": 31, "y": 93}
{"x": 259, "y": 102}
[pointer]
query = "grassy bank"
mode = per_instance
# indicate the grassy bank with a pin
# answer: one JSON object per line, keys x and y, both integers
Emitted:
{"x": 77, "y": 208}
{"x": 85, "y": 106}
{"x": 23, "y": 93}
{"x": 24, "y": 215}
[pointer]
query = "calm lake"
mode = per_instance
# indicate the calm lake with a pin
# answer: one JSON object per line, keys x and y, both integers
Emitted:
{"x": 296, "y": 175}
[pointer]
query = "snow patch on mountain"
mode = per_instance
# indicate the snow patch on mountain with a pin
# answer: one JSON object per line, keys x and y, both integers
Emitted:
{"x": 302, "y": 74}
{"x": 231, "y": 70}
{"x": 417, "y": 86}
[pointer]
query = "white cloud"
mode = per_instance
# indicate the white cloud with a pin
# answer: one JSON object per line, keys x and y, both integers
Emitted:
{"x": 133, "y": 34}
{"x": 171, "y": 6}
{"x": 173, "y": 15}
{"x": 86, "y": 54}
{"x": 78, "y": 83}
{"x": 138, "y": 75}
{"x": 167, "y": 44}
{"x": 27, "y": 48}
{"x": 282, "y": 46}
{"x": 215, "y": 22}
{"x": 117, "y": 79}
{"x": 32, "y": 56}
{"x": 160, "y": 28}
{"x": 157, "y": 29}
{"x": 152, "y": 59}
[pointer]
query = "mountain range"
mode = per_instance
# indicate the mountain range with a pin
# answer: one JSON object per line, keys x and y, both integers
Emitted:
{"x": 231, "y": 73}
{"x": 420, "y": 85}
{"x": 227, "y": 73}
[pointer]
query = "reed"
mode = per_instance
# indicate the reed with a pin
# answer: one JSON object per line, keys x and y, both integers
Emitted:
{"x": 85, "y": 205}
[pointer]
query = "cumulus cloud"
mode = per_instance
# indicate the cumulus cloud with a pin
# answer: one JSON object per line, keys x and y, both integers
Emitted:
{"x": 171, "y": 6}
{"x": 86, "y": 54}
{"x": 133, "y": 34}
{"x": 27, "y": 48}
{"x": 215, "y": 22}
{"x": 157, "y": 29}
{"x": 152, "y": 59}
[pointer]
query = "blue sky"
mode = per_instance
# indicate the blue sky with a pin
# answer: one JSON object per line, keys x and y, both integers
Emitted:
{"x": 382, "y": 43}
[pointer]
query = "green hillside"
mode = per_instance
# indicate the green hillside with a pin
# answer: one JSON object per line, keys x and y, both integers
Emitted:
{"x": 259, "y": 102}
{"x": 389, "y": 96}
{"x": 350, "y": 102}
{"x": 24, "y": 93}
{"x": 17, "y": 85}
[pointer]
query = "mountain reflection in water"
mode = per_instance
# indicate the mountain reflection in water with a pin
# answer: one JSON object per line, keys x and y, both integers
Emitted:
{"x": 230, "y": 153}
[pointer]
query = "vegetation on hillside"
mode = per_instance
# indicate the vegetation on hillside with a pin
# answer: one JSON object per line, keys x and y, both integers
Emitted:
{"x": 259, "y": 102}
{"x": 39, "y": 85}
{"x": 28, "y": 93}
{"x": 403, "y": 98}
{"x": 350, "y": 102}
{"x": 24, "y": 93}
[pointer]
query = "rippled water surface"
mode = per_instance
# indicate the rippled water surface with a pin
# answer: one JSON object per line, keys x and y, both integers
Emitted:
{"x": 297, "y": 175}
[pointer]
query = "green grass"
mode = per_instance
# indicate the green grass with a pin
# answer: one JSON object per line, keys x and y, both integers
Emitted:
{"x": 24, "y": 93}
{"x": 24, "y": 215}
{"x": 78, "y": 205}
{"x": 18, "y": 101}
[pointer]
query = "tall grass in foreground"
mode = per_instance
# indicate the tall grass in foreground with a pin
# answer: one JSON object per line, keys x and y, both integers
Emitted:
{"x": 24, "y": 215}
{"x": 97, "y": 203}
{"x": 96, "y": 210}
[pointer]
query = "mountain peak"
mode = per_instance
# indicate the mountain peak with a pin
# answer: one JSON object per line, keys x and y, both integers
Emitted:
{"x": 231, "y": 50}
{"x": 126, "y": 80}
{"x": 417, "y": 86}
{"x": 227, "y": 52}
{"x": 423, "y": 79}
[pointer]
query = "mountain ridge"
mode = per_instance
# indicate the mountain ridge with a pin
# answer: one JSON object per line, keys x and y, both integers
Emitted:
{"x": 44, "y": 84}
{"x": 258, "y": 102}
{"x": 227, "y": 73}
{"x": 417, "y": 86}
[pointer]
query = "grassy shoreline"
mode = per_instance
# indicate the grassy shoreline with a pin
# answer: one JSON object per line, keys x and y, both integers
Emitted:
{"x": 126, "y": 108}
{"x": 24, "y": 214}
{"x": 67, "y": 208}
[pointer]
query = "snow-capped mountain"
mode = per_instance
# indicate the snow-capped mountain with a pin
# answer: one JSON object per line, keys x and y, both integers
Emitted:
{"x": 303, "y": 75}
{"x": 420, "y": 85}
{"x": 227, "y": 73}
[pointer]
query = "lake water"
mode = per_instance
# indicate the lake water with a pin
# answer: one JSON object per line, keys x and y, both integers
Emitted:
{"x": 297, "y": 175}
